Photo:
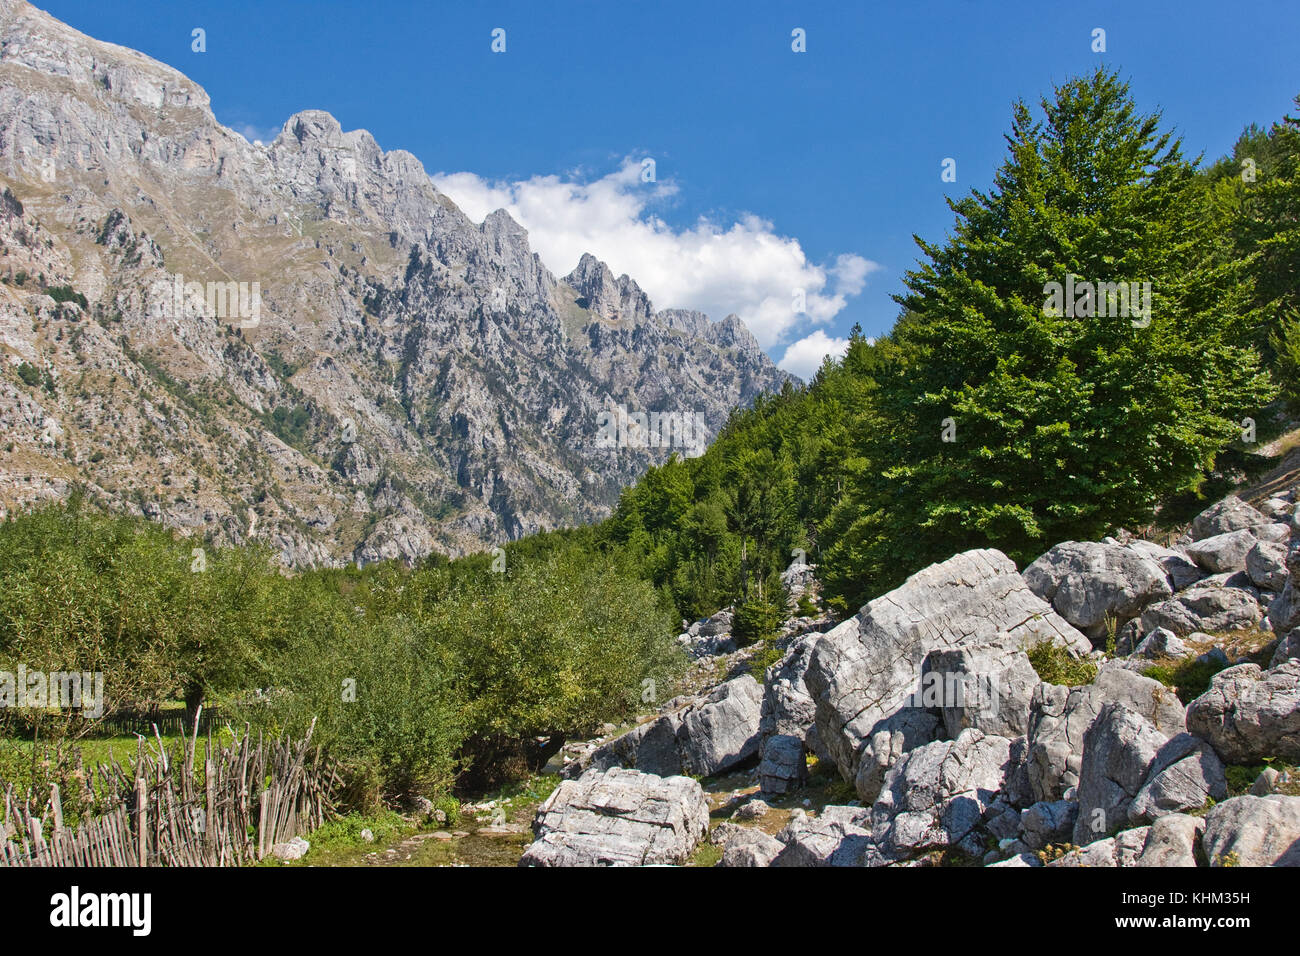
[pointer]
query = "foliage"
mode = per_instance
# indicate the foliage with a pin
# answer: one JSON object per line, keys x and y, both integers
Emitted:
{"x": 415, "y": 678}
{"x": 86, "y": 592}
{"x": 1190, "y": 678}
{"x": 1063, "y": 426}
{"x": 65, "y": 293}
{"x": 29, "y": 373}
{"x": 1053, "y": 664}
{"x": 1010, "y": 424}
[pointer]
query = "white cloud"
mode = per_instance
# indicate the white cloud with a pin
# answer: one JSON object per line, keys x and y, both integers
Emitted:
{"x": 257, "y": 135}
{"x": 744, "y": 268}
{"x": 804, "y": 358}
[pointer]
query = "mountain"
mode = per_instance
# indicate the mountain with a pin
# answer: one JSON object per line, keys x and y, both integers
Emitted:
{"x": 306, "y": 342}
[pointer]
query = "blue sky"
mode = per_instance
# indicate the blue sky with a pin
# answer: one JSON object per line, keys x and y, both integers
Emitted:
{"x": 773, "y": 170}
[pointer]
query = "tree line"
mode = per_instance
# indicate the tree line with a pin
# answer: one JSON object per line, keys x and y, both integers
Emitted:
{"x": 988, "y": 418}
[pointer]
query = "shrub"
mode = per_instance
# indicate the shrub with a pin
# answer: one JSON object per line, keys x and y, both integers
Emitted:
{"x": 30, "y": 374}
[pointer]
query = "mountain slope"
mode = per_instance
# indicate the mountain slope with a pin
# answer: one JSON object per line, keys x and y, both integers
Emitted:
{"x": 361, "y": 372}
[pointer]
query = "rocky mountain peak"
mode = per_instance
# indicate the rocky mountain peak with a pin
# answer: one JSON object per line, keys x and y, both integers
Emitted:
{"x": 733, "y": 333}
{"x": 305, "y": 342}
{"x": 606, "y": 296}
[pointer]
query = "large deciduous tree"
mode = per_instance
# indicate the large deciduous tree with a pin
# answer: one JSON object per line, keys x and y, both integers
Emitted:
{"x": 1003, "y": 421}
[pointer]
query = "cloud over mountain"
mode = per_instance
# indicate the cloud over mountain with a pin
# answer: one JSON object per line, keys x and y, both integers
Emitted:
{"x": 744, "y": 267}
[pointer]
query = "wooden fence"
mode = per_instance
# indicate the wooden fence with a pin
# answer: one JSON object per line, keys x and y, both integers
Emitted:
{"x": 158, "y": 811}
{"x": 170, "y": 723}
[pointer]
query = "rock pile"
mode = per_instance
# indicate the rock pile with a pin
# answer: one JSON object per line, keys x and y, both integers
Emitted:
{"x": 927, "y": 703}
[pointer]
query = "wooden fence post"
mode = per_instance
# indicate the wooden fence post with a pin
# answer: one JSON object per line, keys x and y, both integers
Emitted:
{"x": 141, "y": 820}
{"x": 210, "y": 788}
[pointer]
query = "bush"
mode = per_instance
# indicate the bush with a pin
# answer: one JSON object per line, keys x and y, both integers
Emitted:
{"x": 386, "y": 705}
{"x": 455, "y": 671}
{"x": 30, "y": 374}
{"x": 417, "y": 680}
{"x": 65, "y": 293}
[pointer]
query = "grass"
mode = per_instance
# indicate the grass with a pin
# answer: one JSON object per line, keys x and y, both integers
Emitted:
{"x": 706, "y": 854}
{"x": 1241, "y": 777}
{"x": 522, "y": 798}
{"x": 1054, "y": 665}
{"x": 16, "y": 754}
{"x": 339, "y": 842}
{"x": 1190, "y": 678}
{"x": 345, "y": 832}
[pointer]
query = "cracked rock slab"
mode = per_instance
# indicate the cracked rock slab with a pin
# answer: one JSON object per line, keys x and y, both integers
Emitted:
{"x": 1061, "y": 716}
{"x": 838, "y": 836}
{"x": 869, "y": 667}
{"x": 1118, "y": 750}
{"x": 619, "y": 817}
{"x": 940, "y": 796}
{"x": 1184, "y": 776}
{"x": 1208, "y": 605}
{"x": 703, "y": 735}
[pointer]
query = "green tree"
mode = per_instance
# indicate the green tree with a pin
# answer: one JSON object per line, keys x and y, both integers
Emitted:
{"x": 1061, "y": 426}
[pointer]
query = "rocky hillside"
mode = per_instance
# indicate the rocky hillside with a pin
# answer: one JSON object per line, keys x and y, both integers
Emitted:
{"x": 1116, "y": 703}
{"x": 305, "y": 342}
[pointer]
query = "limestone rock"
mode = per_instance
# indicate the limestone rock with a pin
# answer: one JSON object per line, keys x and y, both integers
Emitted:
{"x": 1088, "y": 582}
{"x": 1253, "y": 831}
{"x": 1123, "y": 849}
{"x": 838, "y": 836}
{"x": 722, "y": 731}
{"x": 869, "y": 666}
{"x": 1185, "y": 774}
{"x": 1061, "y": 716}
{"x": 1180, "y": 570}
{"x": 1046, "y": 822}
{"x": 619, "y": 817}
{"x": 1162, "y": 642}
{"x": 1208, "y": 605}
{"x": 701, "y": 735}
{"x": 1223, "y": 553}
{"x": 1288, "y": 647}
{"x": 750, "y": 848}
{"x": 1248, "y": 714}
{"x": 1266, "y": 565}
{"x": 1230, "y": 514}
{"x": 987, "y": 686}
{"x": 939, "y": 797}
{"x": 294, "y": 849}
{"x": 887, "y": 742}
{"x": 1172, "y": 840}
{"x": 1118, "y": 749}
{"x": 783, "y": 766}
{"x": 788, "y": 714}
